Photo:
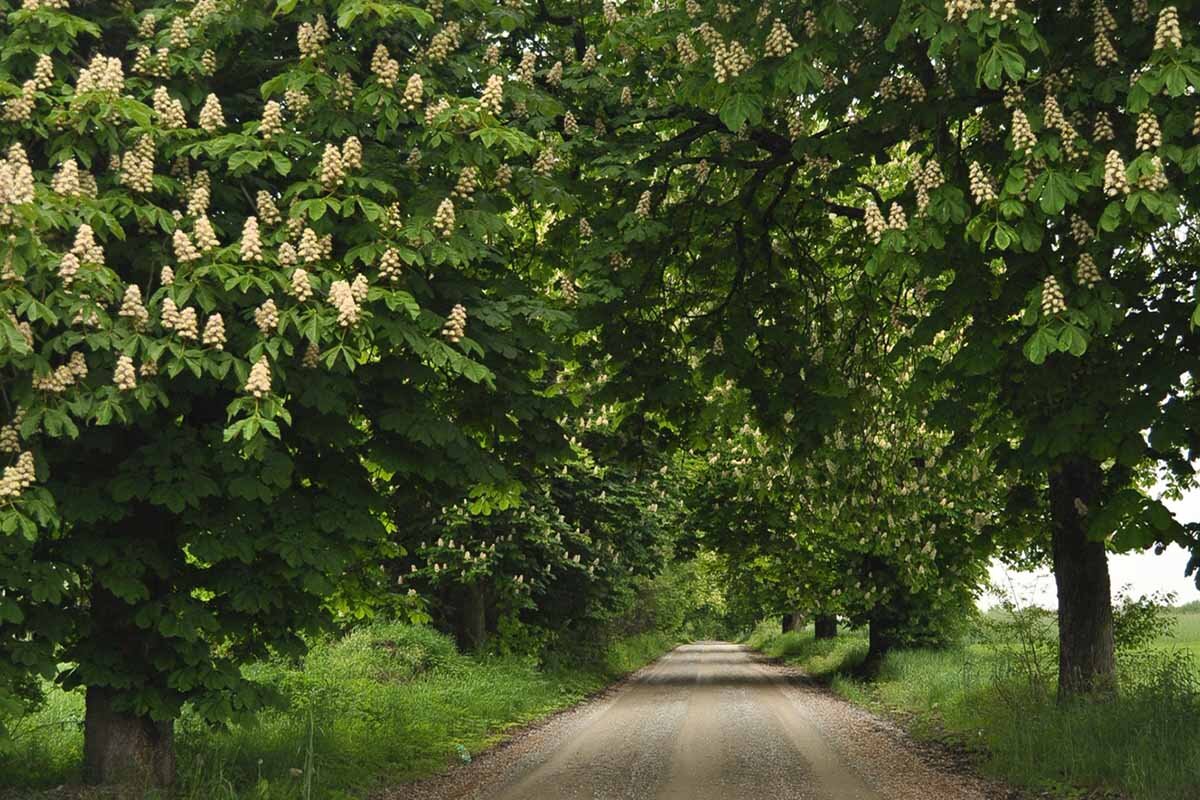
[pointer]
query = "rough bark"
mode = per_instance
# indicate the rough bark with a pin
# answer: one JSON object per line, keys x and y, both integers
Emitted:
{"x": 1086, "y": 664}
{"x": 472, "y": 618}
{"x": 881, "y": 638}
{"x": 826, "y": 626}
{"x": 793, "y": 622}
{"x": 121, "y": 749}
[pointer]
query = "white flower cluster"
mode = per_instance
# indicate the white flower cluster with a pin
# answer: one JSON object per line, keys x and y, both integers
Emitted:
{"x": 930, "y": 177}
{"x": 124, "y": 376}
{"x": 779, "y": 41}
{"x": 311, "y": 36}
{"x": 526, "y": 69}
{"x": 982, "y": 189}
{"x": 546, "y": 163}
{"x": 1115, "y": 180}
{"x": 468, "y": 182}
{"x": 456, "y": 324}
{"x": 214, "y": 333}
{"x": 1167, "y": 35}
{"x": 1149, "y": 134}
{"x": 493, "y": 94}
{"x": 251, "y": 247}
{"x": 332, "y": 173}
{"x": 272, "y": 120}
{"x": 62, "y": 377}
{"x": 443, "y": 218}
{"x": 434, "y": 109}
{"x": 179, "y": 35}
{"x": 20, "y": 108}
{"x": 137, "y": 166}
{"x": 133, "y": 308}
{"x": 443, "y": 43}
{"x": 301, "y": 284}
{"x": 359, "y": 288}
{"x": 730, "y": 60}
{"x": 17, "y": 478}
{"x": 352, "y": 153}
{"x": 611, "y": 15}
{"x": 1022, "y": 133}
{"x": 206, "y": 237}
{"x": 569, "y": 291}
{"x": 961, "y": 9}
{"x": 199, "y": 194}
{"x": 685, "y": 48}
{"x": 1081, "y": 231}
{"x": 503, "y": 177}
{"x": 386, "y": 68}
{"x": 16, "y": 182}
{"x": 185, "y": 251}
{"x": 1053, "y": 301}
{"x": 897, "y": 220}
{"x": 341, "y": 297}
{"x": 85, "y": 247}
{"x": 390, "y": 265}
{"x": 570, "y": 124}
{"x": 1156, "y": 179}
{"x": 102, "y": 74}
{"x": 310, "y": 250}
{"x": 1086, "y": 272}
{"x": 187, "y": 327}
{"x": 644, "y": 207}
{"x": 66, "y": 180}
{"x": 10, "y": 434}
{"x": 258, "y": 383}
{"x": 585, "y": 228}
{"x": 876, "y": 224}
{"x": 212, "y": 118}
{"x": 414, "y": 92}
{"x": 268, "y": 212}
{"x": 311, "y": 357}
{"x": 1003, "y": 10}
{"x": 266, "y": 317}
{"x": 169, "y": 109}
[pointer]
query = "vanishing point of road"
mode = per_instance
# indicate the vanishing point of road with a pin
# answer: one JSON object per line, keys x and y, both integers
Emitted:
{"x": 708, "y": 721}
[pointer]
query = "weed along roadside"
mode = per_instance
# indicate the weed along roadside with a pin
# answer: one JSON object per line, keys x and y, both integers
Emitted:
{"x": 989, "y": 694}
{"x": 386, "y": 704}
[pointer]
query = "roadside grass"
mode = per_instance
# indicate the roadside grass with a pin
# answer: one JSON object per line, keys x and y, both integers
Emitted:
{"x": 1144, "y": 745}
{"x": 385, "y": 704}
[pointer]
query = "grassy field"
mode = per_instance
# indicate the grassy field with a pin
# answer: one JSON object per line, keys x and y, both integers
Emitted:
{"x": 385, "y": 704}
{"x": 1145, "y": 745}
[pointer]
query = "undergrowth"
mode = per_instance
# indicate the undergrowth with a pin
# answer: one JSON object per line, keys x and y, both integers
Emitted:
{"x": 1145, "y": 744}
{"x": 384, "y": 704}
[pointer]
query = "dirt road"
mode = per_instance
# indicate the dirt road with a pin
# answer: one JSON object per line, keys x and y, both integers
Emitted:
{"x": 706, "y": 722}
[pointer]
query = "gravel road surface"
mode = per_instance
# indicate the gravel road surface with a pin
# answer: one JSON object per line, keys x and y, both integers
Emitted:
{"x": 706, "y": 722}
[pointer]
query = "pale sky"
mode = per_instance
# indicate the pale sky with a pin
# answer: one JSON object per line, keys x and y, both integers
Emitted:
{"x": 1144, "y": 572}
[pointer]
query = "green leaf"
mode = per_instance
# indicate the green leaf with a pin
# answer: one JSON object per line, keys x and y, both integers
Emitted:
{"x": 741, "y": 108}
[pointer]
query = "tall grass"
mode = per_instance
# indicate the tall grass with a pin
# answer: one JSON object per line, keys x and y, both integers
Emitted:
{"x": 387, "y": 703}
{"x": 1145, "y": 744}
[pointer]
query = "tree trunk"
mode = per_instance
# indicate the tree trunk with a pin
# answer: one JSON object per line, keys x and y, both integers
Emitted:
{"x": 793, "y": 622}
{"x": 472, "y": 619}
{"x": 124, "y": 750}
{"x": 826, "y": 625}
{"x": 1086, "y": 664}
{"x": 881, "y": 640}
